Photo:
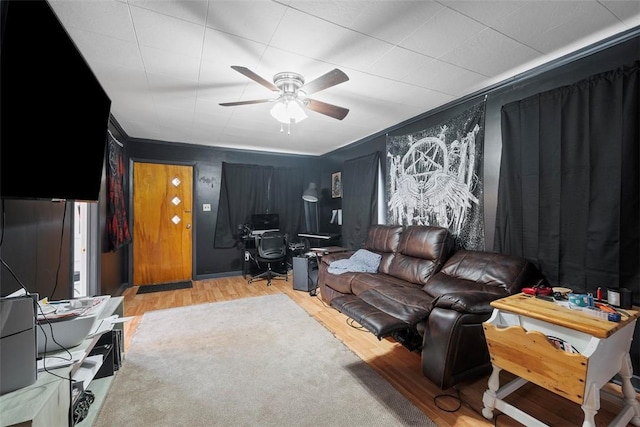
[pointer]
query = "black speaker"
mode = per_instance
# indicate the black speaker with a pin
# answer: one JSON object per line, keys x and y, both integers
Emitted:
{"x": 305, "y": 273}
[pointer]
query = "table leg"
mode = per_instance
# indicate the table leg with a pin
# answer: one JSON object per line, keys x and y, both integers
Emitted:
{"x": 591, "y": 405}
{"x": 628, "y": 392}
{"x": 489, "y": 397}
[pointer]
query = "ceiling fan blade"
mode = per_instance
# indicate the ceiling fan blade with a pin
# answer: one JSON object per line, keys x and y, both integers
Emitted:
{"x": 327, "y": 109}
{"x": 332, "y": 78}
{"x": 253, "y": 76}
{"x": 253, "y": 101}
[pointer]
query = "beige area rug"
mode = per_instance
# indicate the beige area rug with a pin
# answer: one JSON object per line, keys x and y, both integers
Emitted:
{"x": 260, "y": 361}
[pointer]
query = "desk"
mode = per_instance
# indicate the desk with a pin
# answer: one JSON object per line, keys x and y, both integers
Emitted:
{"x": 517, "y": 336}
{"x": 328, "y": 250}
{"x": 321, "y": 239}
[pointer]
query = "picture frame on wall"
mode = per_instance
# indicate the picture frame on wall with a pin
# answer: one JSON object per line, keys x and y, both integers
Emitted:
{"x": 336, "y": 185}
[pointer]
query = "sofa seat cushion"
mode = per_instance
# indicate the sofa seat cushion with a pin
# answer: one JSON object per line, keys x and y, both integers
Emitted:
{"x": 375, "y": 321}
{"x": 409, "y": 304}
{"x": 364, "y": 281}
{"x": 343, "y": 282}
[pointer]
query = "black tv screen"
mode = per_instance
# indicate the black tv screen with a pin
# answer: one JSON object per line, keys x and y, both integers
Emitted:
{"x": 54, "y": 112}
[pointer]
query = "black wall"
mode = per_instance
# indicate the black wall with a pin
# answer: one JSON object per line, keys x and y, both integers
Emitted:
{"x": 36, "y": 245}
{"x": 207, "y": 162}
{"x": 546, "y": 78}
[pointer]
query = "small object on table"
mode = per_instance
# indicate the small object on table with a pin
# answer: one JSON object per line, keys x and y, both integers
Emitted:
{"x": 328, "y": 250}
{"x": 538, "y": 290}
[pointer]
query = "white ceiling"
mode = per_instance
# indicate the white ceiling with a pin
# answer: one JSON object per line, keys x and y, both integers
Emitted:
{"x": 165, "y": 64}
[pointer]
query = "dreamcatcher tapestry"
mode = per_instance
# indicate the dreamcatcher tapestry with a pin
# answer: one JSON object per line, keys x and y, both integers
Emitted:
{"x": 435, "y": 177}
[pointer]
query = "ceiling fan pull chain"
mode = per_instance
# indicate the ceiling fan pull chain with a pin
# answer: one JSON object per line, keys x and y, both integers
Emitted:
{"x": 281, "y": 128}
{"x": 289, "y": 128}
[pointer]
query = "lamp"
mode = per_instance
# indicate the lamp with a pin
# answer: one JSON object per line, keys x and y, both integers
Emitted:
{"x": 311, "y": 195}
{"x": 288, "y": 109}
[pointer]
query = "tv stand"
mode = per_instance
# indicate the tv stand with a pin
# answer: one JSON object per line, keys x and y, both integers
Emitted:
{"x": 49, "y": 402}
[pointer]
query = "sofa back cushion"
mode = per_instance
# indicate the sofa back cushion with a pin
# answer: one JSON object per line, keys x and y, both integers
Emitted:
{"x": 491, "y": 272}
{"x": 383, "y": 239}
{"x": 422, "y": 251}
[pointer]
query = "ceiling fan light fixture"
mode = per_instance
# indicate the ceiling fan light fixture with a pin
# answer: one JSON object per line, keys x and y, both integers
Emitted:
{"x": 288, "y": 111}
{"x": 292, "y": 101}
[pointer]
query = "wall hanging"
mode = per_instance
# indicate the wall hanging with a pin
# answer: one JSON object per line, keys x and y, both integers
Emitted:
{"x": 435, "y": 177}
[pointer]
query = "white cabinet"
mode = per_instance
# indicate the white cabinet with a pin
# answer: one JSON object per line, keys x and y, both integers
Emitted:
{"x": 48, "y": 402}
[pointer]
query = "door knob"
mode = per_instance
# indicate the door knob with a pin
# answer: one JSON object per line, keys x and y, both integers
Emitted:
{"x": 188, "y": 226}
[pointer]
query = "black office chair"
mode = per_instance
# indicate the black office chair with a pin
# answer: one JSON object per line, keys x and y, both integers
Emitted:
{"x": 271, "y": 248}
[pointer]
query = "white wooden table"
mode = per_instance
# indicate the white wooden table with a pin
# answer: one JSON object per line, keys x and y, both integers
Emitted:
{"x": 517, "y": 336}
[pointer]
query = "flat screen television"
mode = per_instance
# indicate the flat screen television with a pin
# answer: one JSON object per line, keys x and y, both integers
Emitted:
{"x": 54, "y": 113}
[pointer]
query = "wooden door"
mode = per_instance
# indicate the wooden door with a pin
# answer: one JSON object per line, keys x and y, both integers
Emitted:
{"x": 162, "y": 223}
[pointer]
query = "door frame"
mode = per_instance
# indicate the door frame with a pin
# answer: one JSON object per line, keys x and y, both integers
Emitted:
{"x": 87, "y": 226}
{"x": 133, "y": 160}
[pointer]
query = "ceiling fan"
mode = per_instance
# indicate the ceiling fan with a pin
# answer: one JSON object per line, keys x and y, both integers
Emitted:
{"x": 293, "y": 94}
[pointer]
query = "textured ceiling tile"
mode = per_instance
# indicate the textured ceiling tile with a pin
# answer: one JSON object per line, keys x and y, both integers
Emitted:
{"x": 548, "y": 25}
{"x": 490, "y": 53}
{"x": 627, "y": 11}
{"x": 443, "y": 77}
{"x": 442, "y": 33}
{"x": 109, "y": 18}
{"x": 170, "y": 63}
{"x": 254, "y": 20}
{"x": 299, "y": 33}
{"x": 194, "y": 11}
{"x": 484, "y": 12}
{"x": 167, "y": 33}
{"x": 101, "y": 48}
{"x": 393, "y": 21}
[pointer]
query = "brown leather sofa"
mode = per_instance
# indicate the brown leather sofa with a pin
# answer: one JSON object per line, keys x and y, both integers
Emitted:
{"x": 428, "y": 296}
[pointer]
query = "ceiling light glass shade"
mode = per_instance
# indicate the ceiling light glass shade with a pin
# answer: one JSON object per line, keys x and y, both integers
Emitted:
{"x": 311, "y": 193}
{"x": 288, "y": 110}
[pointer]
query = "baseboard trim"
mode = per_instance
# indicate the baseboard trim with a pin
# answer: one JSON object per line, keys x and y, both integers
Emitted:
{"x": 217, "y": 275}
{"x": 120, "y": 291}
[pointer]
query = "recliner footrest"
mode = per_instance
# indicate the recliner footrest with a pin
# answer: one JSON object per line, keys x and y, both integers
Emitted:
{"x": 375, "y": 321}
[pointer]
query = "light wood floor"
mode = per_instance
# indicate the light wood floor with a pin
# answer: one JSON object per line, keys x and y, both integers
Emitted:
{"x": 397, "y": 365}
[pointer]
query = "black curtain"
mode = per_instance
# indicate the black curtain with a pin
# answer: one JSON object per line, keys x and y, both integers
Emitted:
{"x": 254, "y": 189}
{"x": 287, "y": 189}
{"x": 359, "y": 199}
{"x": 569, "y": 189}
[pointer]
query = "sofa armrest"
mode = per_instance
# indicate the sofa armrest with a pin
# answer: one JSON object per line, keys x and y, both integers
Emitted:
{"x": 468, "y": 302}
